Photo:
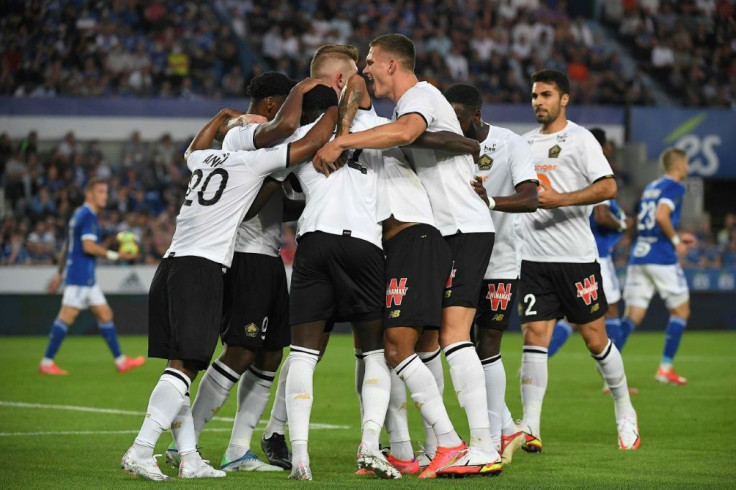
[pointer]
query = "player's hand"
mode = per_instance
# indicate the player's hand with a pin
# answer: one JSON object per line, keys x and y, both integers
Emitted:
{"x": 229, "y": 113}
{"x": 477, "y": 185}
{"x": 687, "y": 241}
{"x": 308, "y": 84}
{"x": 324, "y": 160}
{"x": 54, "y": 284}
{"x": 549, "y": 198}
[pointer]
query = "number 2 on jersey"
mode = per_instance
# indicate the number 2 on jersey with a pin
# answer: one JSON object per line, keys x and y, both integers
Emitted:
{"x": 646, "y": 216}
{"x": 197, "y": 179}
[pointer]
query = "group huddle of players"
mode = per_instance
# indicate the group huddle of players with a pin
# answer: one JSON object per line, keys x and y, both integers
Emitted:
{"x": 414, "y": 229}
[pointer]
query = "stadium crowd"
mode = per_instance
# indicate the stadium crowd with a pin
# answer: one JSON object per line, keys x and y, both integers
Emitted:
{"x": 174, "y": 49}
{"x": 147, "y": 183}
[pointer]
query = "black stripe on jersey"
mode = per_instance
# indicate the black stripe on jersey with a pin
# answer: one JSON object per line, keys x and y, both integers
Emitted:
{"x": 259, "y": 374}
{"x": 425, "y": 361}
{"x": 224, "y": 373}
{"x": 417, "y": 113}
{"x": 533, "y": 181}
{"x": 609, "y": 176}
{"x": 288, "y": 154}
{"x": 491, "y": 360}
{"x": 173, "y": 373}
{"x": 405, "y": 363}
{"x": 532, "y": 350}
{"x": 605, "y": 353}
{"x": 464, "y": 345}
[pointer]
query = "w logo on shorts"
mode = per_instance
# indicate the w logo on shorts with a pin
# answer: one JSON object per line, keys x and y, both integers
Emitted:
{"x": 500, "y": 296}
{"x": 588, "y": 290}
{"x": 395, "y": 292}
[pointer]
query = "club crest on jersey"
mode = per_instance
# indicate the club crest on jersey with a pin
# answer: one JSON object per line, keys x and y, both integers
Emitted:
{"x": 485, "y": 162}
{"x": 395, "y": 291}
{"x": 588, "y": 290}
{"x": 251, "y": 330}
{"x": 554, "y": 152}
{"x": 499, "y": 296}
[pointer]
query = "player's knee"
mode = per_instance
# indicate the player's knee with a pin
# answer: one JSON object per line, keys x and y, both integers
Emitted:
{"x": 489, "y": 343}
{"x": 269, "y": 360}
{"x": 682, "y": 311}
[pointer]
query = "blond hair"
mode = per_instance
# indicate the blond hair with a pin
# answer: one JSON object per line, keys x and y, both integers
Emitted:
{"x": 328, "y": 53}
{"x": 670, "y": 157}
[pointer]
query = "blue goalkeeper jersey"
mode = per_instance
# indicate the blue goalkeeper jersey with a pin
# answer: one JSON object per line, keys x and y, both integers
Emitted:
{"x": 80, "y": 267}
{"x": 606, "y": 238}
{"x": 652, "y": 246}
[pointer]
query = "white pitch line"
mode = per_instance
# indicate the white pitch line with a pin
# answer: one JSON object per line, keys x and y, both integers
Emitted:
{"x": 115, "y": 411}
{"x": 87, "y": 432}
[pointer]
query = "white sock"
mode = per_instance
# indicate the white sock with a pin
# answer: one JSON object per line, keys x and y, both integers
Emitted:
{"x": 212, "y": 393}
{"x": 427, "y": 398}
{"x": 376, "y": 392}
{"x": 433, "y": 361}
{"x": 182, "y": 428}
{"x": 466, "y": 371}
{"x": 164, "y": 405}
{"x": 397, "y": 423}
{"x": 299, "y": 398}
{"x": 496, "y": 392}
{"x": 533, "y": 384}
{"x": 359, "y": 375}
{"x": 253, "y": 393}
{"x": 509, "y": 427}
{"x": 277, "y": 420}
{"x": 611, "y": 366}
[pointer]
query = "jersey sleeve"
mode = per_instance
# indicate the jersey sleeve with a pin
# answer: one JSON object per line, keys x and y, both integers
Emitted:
{"x": 595, "y": 166}
{"x": 417, "y": 102}
{"x": 87, "y": 227}
{"x": 265, "y": 161}
{"x": 672, "y": 196}
{"x": 521, "y": 161}
{"x": 242, "y": 138}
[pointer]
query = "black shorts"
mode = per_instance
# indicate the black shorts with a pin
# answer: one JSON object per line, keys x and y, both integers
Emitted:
{"x": 418, "y": 262}
{"x": 495, "y": 303}
{"x": 550, "y": 290}
{"x": 256, "y": 307}
{"x": 185, "y": 309}
{"x": 338, "y": 277}
{"x": 471, "y": 253}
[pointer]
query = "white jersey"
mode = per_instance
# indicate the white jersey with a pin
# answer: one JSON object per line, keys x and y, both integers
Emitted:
{"x": 262, "y": 233}
{"x": 566, "y": 161}
{"x": 223, "y": 186}
{"x": 505, "y": 162}
{"x": 401, "y": 193}
{"x": 456, "y": 207}
{"x": 345, "y": 203}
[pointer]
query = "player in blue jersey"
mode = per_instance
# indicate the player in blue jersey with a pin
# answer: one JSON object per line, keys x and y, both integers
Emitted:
{"x": 607, "y": 222}
{"x": 81, "y": 291}
{"x": 653, "y": 266}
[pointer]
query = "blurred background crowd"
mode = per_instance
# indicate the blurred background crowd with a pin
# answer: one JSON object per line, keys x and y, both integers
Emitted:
{"x": 626, "y": 52}
{"x": 166, "y": 48}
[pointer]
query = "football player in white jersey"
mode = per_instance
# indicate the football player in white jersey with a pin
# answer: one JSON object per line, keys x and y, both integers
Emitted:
{"x": 255, "y": 326}
{"x": 459, "y": 214}
{"x": 507, "y": 182}
{"x": 186, "y": 296}
{"x": 560, "y": 274}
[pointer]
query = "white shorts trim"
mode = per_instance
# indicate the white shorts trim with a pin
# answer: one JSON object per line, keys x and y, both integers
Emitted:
{"x": 82, "y": 297}
{"x": 611, "y": 286}
{"x": 642, "y": 281}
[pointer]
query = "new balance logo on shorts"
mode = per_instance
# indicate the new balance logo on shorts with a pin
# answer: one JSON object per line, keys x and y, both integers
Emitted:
{"x": 500, "y": 296}
{"x": 395, "y": 291}
{"x": 588, "y": 290}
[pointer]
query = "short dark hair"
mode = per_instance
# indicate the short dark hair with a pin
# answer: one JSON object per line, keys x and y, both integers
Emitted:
{"x": 269, "y": 84}
{"x": 398, "y": 45}
{"x": 599, "y": 134}
{"x": 320, "y": 98}
{"x": 465, "y": 95}
{"x": 553, "y": 76}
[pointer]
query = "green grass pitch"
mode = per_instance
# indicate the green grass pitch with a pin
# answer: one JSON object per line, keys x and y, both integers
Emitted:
{"x": 687, "y": 432}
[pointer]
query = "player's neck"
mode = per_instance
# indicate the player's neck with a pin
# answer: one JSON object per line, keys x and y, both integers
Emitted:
{"x": 555, "y": 126}
{"x": 673, "y": 176}
{"x": 481, "y": 131}
{"x": 92, "y": 207}
{"x": 403, "y": 82}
